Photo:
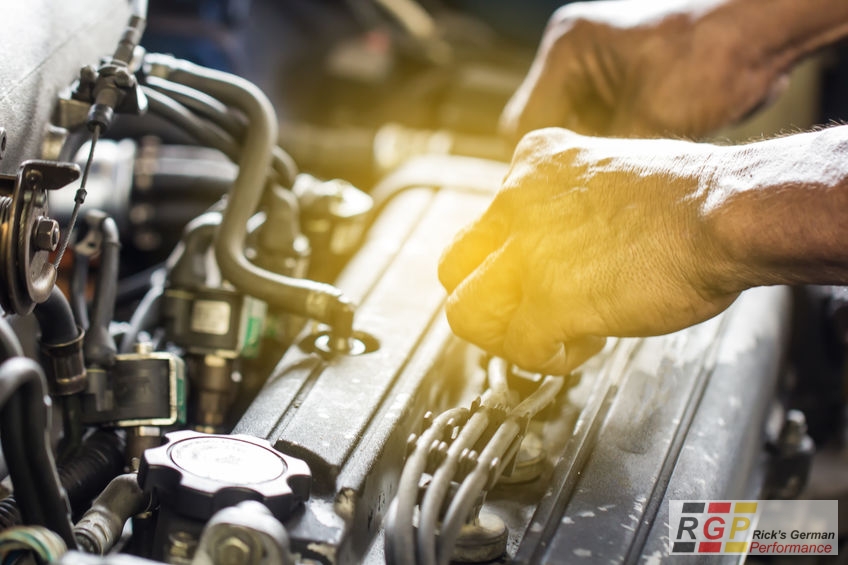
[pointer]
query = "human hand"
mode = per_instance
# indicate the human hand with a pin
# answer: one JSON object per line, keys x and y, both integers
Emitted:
{"x": 644, "y": 68}
{"x": 588, "y": 238}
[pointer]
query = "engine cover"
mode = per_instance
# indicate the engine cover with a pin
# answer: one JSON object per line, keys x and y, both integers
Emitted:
{"x": 677, "y": 416}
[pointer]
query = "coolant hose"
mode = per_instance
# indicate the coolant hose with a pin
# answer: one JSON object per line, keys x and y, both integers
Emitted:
{"x": 56, "y": 319}
{"x": 311, "y": 299}
{"x": 99, "y": 346}
{"x": 10, "y": 345}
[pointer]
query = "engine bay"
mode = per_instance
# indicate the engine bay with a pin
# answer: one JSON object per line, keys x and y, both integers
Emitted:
{"x": 225, "y": 343}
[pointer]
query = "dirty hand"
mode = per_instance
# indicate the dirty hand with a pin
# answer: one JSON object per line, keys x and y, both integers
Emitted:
{"x": 646, "y": 68}
{"x": 587, "y": 238}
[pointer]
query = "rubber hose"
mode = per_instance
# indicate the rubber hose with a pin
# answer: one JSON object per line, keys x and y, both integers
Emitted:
{"x": 99, "y": 346}
{"x": 24, "y": 432}
{"x": 98, "y": 461}
{"x": 56, "y": 319}
{"x": 10, "y": 345}
{"x": 320, "y": 301}
{"x": 213, "y": 109}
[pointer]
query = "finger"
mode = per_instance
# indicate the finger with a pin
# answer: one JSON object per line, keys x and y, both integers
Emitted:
{"x": 533, "y": 344}
{"x": 468, "y": 250}
{"x": 480, "y": 308}
{"x": 578, "y": 351}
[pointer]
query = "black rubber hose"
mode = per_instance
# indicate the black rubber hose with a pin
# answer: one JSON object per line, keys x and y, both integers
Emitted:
{"x": 79, "y": 282}
{"x": 320, "y": 301}
{"x": 202, "y": 131}
{"x": 10, "y": 516}
{"x": 201, "y": 104}
{"x": 99, "y": 459}
{"x": 61, "y": 343}
{"x": 10, "y": 345}
{"x": 24, "y": 432}
{"x": 99, "y": 347}
{"x": 56, "y": 319}
{"x": 232, "y": 123}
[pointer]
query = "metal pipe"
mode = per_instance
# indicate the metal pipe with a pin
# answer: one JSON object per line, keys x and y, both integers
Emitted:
{"x": 496, "y": 373}
{"x": 311, "y": 299}
{"x": 100, "y": 528}
{"x": 541, "y": 397}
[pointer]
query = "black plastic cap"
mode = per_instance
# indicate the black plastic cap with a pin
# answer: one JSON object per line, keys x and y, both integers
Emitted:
{"x": 197, "y": 474}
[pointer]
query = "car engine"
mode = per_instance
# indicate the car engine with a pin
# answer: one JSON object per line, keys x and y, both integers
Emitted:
{"x": 210, "y": 357}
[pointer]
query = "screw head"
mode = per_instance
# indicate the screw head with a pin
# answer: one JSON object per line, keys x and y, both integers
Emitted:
{"x": 45, "y": 236}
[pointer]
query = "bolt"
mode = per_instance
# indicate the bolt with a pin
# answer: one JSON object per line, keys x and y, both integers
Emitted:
{"x": 88, "y": 74}
{"x": 181, "y": 546}
{"x": 45, "y": 234}
{"x": 123, "y": 78}
{"x": 33, "y": 178}
{"x": 794, "y": 430}
{"x": 144, "y": 348}
{"x": 232, "y": 551}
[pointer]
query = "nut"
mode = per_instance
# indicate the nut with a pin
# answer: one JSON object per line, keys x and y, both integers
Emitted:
{"x": 45, "y": 234}
{"x": 232, "y": 551}
{"x": 123, "y": 78}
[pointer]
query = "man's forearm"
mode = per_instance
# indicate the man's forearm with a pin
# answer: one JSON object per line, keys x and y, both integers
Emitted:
{"x": 779, "y": 209}
{"x": 783, "y": 31}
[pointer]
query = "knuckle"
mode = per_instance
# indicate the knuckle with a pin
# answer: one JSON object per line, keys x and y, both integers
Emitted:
{"x": 447, "y": 269}
{"x": 569, "y": 21}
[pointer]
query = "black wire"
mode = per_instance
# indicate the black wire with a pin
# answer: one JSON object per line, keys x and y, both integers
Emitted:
{"x": 79, "y": 198}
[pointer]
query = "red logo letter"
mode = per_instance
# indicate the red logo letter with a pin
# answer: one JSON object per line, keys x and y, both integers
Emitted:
{"x": 714, "y": 533}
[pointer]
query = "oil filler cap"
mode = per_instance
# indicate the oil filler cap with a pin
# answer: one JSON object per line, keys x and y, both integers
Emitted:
{"x": 197, "y": 474}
